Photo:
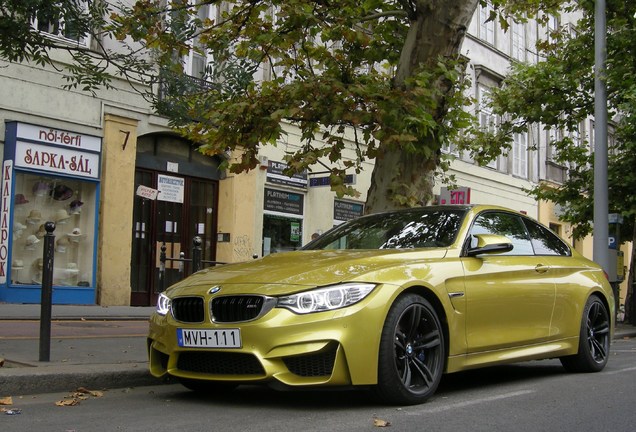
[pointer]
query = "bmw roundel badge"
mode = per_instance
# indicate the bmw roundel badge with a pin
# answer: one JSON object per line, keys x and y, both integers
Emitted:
{"x": 214, "y": 289}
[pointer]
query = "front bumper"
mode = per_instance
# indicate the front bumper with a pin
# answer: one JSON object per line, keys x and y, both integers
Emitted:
{"x": 327, "y": 348}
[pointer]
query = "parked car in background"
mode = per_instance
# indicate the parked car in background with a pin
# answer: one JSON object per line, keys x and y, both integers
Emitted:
{"x": 391, "y": 301}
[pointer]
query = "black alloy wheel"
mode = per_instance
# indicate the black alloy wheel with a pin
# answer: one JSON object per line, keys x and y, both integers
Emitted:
{"x": 594, "y": 340}
{"x": 412, "y": 352}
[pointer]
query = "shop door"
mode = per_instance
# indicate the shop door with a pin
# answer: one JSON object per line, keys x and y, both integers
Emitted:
{"x": 173, "y": 222}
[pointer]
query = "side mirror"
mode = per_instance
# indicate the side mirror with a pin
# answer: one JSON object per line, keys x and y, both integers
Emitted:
{"x": 490, "y": 244}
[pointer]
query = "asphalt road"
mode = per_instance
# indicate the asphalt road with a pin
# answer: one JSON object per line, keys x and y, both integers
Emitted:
{"x": 534, "y": 396}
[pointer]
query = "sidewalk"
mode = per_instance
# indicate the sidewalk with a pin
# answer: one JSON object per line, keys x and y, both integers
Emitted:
{"x": 99, "y": 347}
{"x": 96, "y": 348}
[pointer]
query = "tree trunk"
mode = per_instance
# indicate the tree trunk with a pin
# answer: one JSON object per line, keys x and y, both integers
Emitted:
{"x": 437, "y": 29}
{"x": 397, "y": 173}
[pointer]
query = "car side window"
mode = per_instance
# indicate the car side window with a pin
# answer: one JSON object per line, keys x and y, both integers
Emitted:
{"x": 544, "y": 241}
{"x": 505, "y": 224}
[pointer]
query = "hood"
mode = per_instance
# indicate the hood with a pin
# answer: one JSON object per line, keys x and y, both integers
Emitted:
{"x": 296, "y": 271}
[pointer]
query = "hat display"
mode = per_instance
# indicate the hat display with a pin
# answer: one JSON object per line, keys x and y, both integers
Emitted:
{"x": 17, "y": 264}
{"x": 32, "y": 240}
{"x": 20, "y": 199}
{"x": 76, "y": 206}
{"x": 75, "y": 236}
{"x": 35, "y": 216}
{"x": 41, "y": 188}
{"x": 61, "y": 216}
{"x": 17, "y": 226}
{"x": 41, "y": 232}
{"x": 71, "y": 268}
{"x": 61, "y": 244}
{"x": 61, "y": 192}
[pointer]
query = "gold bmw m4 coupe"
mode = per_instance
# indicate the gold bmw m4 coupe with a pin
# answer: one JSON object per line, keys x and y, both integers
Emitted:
{"x": 390, "y": 301}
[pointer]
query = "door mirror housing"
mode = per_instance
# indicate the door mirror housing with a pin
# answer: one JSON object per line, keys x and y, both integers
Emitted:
{"x": 490, "y": 244}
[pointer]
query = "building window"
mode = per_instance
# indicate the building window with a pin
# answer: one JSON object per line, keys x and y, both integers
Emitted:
{"x": 487, "y": 120}
{"x": 450, "y": 148}
{"x": 63, "y": 24}
{"x": 554, "y": 135}
{"x": 518, "y": 41}
{"x": 612, "y": 145}
{"x": 551, "y": 27}
{"x": 198, "y": 62}
{"x": 556, "y": 228}
{"x": 486, "y": 24}
{"x": 575, "y": 135}
{"x": 520, "y": 155}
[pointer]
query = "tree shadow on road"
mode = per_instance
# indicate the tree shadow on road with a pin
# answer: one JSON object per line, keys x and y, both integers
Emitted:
{"x": 346, "y": 399}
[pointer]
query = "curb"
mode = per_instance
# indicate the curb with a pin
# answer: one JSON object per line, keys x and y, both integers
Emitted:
{"x": 34, "y": 380}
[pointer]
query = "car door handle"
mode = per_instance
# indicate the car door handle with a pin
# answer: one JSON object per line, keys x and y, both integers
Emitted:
{"x": 540, "y": 268}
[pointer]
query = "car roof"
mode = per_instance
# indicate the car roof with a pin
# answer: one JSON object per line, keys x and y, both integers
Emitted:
{"x": 466, "y": 207}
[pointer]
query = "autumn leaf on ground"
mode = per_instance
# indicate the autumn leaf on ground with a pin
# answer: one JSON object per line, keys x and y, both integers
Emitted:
{"x": 67, "y": 402}
{"x": 94, "y": 393}
{"x": 381, "y": 423}
{"x": 6, "y": 400}
{"x": 80, "y": 394}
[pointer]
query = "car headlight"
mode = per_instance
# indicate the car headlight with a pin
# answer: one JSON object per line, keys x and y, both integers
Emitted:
{"x": 325, "y": 299}
{"x": 163, "y": 304}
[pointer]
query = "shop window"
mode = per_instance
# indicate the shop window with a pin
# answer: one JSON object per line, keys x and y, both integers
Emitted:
{"x": 281, "y": 234}
{"x": 70, "y": 204}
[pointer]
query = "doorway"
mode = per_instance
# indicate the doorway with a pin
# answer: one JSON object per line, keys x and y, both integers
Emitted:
{"x": 186, "y": 207}
{"x": 173, "y": 223}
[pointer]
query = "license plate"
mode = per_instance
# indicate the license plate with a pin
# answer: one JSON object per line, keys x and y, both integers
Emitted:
{"x": 207, "y": 338}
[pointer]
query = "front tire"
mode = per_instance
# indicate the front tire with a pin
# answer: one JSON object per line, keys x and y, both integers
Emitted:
{"x": 412, "y": 352}
{"x": 594, "y": 339}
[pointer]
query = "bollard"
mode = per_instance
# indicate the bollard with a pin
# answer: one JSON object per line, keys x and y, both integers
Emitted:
{"x": 47, "y": 292}
{"x": 181, "y": 265}
{"x": 162, "y": 267}
{"x": 196, "y": 254}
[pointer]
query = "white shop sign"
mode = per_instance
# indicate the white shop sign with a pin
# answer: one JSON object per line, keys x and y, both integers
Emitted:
{"x": 56, "y": 159}
{"x": 170, "y": 188}
{"x": 147, "y": 192}
{"x": 59, "y": 137}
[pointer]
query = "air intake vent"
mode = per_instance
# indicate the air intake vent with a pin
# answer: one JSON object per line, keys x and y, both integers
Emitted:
{"x": 313, "y": 365}
{"x": 220, "y": 363}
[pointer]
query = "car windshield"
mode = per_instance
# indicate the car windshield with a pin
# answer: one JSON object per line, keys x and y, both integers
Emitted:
{"x": 421, "y": 228}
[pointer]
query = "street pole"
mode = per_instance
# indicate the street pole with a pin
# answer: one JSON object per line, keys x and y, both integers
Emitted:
{"x": 46, "y": 302}
{"x": 601, "y": 205}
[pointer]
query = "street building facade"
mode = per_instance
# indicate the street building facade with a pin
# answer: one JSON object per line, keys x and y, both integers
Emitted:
{"x": 121, "y": 186}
